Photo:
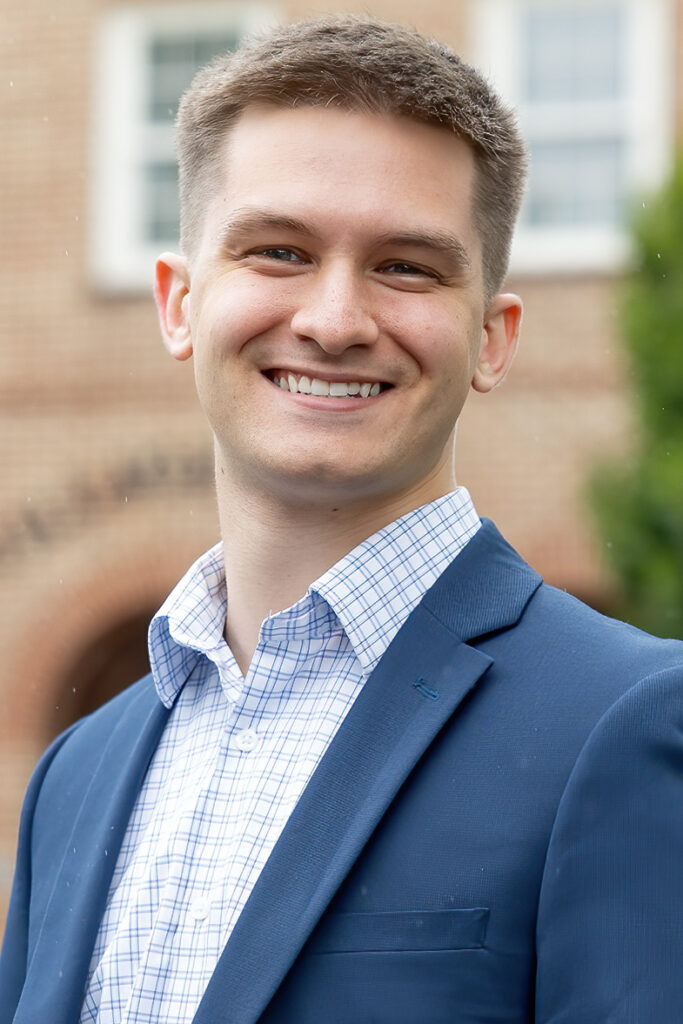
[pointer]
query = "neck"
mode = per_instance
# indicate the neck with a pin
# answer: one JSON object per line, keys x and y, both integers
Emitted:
{"x": 274, "y": 550}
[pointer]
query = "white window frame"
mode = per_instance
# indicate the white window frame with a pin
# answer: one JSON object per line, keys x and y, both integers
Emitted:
{"x": 647, "y": 121}
{"x": 120, "y": 260}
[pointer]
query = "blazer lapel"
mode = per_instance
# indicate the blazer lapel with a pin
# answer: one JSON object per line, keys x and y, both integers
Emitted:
{"x": 59, "y": 965}
{"x": 422, "y": 678}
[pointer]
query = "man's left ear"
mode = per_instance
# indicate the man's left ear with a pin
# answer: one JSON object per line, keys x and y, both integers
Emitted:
{"x": 499, "y": 338}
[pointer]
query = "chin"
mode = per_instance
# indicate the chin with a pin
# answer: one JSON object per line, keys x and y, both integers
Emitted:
{"x": 320, "y": 481}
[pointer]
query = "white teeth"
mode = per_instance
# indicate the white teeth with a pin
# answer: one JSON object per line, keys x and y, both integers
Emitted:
{"x": 323, "y": 388}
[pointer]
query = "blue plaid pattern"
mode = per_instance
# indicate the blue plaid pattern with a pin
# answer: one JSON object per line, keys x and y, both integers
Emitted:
{"x": 237, "y": 753}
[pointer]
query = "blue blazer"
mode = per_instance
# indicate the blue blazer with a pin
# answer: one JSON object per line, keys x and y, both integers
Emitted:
{"x": 494, "y": 834}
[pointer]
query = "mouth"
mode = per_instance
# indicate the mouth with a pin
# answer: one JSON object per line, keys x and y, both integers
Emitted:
{"x": 324, "y": 387}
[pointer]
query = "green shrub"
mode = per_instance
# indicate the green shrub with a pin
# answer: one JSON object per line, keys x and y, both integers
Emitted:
{"x": 639, "y": 504}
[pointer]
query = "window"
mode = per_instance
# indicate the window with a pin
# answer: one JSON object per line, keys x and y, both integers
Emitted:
{"x": 592, "y": 81}
{"x": 146, "y": 57}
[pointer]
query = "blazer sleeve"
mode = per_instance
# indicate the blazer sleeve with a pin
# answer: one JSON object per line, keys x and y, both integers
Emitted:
{"x": 610, "y": 923}
{"x": 15, "y": 947}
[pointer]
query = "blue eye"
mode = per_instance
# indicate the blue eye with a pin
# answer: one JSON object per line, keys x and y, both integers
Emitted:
{"x": 280, "y": 254}
{"x": 403, "y": 268}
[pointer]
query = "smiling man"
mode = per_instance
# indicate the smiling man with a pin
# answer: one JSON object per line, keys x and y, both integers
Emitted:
{"x": 335, "y": 306}
{"x": 379, "y": 772}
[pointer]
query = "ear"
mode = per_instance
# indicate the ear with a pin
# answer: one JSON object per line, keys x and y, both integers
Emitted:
{"x": 499, "y": 338}
{"x": 172, "y": 294}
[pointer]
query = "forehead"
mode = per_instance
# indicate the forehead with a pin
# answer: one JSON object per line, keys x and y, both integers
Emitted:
{"x": 347, "y": 168}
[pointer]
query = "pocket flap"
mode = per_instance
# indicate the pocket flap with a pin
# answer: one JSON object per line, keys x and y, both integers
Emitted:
{"x": 401, "y": 930}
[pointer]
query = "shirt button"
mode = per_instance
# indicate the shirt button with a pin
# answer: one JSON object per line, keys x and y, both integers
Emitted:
{"x": 200, "y": 909}
{"x": 247, "y": 740}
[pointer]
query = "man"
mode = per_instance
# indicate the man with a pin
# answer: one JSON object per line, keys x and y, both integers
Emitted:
{"x": 383, "y": 774}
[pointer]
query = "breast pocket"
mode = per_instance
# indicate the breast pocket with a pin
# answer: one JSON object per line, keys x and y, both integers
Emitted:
{"x": 393, "y": 967}
{"x": 403, "y": 930}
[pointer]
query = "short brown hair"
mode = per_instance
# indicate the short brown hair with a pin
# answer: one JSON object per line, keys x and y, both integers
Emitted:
{"x": 358, "y": 64}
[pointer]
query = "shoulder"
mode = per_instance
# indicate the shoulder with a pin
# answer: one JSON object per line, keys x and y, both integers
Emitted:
{"x": 573, "y": 669}
{"x": 67, "y": 766}
{"x": 555, "y": 662}
{"x": 94, "y": 729}
{"x": 547, "y": 639}
{"x": 570, "y": 629}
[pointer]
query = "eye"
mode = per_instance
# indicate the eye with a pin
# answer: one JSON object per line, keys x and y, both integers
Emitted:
{"x": 409, "y": 276}
{"x": 401, "y": 269}
{"x": 280, "y": 254}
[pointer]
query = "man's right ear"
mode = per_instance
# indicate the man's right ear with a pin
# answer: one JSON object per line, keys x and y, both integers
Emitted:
{"x": 172, "y": 294}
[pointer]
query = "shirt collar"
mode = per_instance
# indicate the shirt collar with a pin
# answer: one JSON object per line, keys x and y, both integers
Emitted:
{"x": 369, "y": 593}
{"x": 376, "y": 586}
{"x": 190, "y": 622}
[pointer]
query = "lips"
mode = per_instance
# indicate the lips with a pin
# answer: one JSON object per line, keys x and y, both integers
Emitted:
{"x": 299, "y": 383}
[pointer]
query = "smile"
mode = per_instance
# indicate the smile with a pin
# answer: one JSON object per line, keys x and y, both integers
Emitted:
{"x": 300, "y": 384}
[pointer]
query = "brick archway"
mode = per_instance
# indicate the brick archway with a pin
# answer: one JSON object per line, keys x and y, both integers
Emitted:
{"x": 101, "y": 669}
{"x": 88, "y": 633}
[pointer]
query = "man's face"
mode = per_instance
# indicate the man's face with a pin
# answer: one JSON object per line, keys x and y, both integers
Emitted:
{"x": 335, "y": 306}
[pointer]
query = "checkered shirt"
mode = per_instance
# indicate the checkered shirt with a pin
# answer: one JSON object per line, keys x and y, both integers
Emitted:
{"x": 237, "y": 753}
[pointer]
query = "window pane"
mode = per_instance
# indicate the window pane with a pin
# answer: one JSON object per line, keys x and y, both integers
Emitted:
{"x": 576, "y": 183}
{"x": 161, "y": 204}
{"x": 573, "y": 53}
{"x": 172, "y": 62}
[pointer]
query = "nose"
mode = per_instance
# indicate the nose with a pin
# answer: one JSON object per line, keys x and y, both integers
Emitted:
{"x": 334, "y": 311}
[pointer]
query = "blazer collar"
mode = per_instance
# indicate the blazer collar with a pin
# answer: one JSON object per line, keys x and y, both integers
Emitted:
{"x": 484, "y": 589}
{"x": 424, "y": 675}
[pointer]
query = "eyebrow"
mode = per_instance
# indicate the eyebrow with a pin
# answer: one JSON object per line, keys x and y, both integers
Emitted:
{"x": 244, "y": 221}
{"x": 441, "y": 242}
{"x": 448, "y": 245}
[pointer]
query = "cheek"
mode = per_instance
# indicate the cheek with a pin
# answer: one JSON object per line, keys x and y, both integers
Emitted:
{"x": 234, "y": 314}
{"x": 444, "y": 349}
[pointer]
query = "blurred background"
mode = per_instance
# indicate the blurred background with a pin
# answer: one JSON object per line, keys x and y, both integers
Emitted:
{"x": 105, "y": 460}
